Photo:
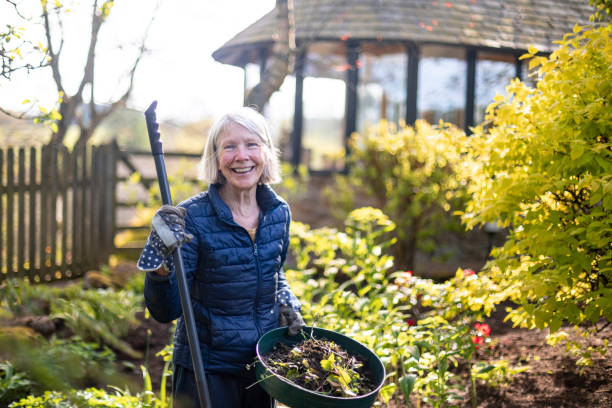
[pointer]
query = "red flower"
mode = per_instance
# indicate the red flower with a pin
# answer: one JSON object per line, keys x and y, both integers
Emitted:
{"x": 411, "y": 322}
{"x": 409, "y": 273}
{"x": 477, "y": 340}
{"x": 483, "y": 329}
{"x": 468, "y": 272}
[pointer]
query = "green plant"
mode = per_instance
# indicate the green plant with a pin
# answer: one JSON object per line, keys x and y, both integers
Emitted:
{"x": 102, "y": 314}
{"x": 410, "y": 173}
{"x": 495, "y": 373}
{"x": 543, "y": 170}
{"x": 98, "y": 314}
{"x": 87, "y": 352}
{"x": 418, "y": 328}
{"x": 60, "y": 364}
{"x": 20, "y": 298}
{"x": 14, "y": 384}
{"x": 90, "y": 398}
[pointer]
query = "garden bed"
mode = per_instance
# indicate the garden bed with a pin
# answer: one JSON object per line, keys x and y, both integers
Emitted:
{"x": 553, "y": 380}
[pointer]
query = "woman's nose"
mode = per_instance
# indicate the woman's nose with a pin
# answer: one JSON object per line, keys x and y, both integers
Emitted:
{"x": 241, "y": 152}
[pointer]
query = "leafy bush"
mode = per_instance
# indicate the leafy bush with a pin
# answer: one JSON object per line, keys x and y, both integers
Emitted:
{"x": 60, "y": 364}
{"x": 88, "y": 398}
{"x": 410, "y": 173}
{"x": 103, "y": 315}
{"x": 14, "y": 384}
{"x": 417, "y": 327}
{"x": 543, "y": 169}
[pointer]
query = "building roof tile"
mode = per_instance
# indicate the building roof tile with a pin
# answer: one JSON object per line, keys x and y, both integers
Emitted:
{"x": 507, "y": 24}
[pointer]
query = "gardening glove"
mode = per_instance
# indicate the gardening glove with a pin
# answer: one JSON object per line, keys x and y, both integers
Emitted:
{"x": 289, "y": 308}
{"x": 168, "y": 233}
{"x": 292, "y": 319}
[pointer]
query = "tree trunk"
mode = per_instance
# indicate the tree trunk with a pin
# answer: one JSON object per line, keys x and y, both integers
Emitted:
{"x": 282, "y": 58}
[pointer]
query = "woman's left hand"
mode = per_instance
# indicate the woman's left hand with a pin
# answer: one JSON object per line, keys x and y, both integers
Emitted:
{"x": 292, "y": 319}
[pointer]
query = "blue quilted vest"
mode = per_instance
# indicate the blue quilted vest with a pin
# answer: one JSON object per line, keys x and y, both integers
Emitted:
{"x": 233, "y": 280}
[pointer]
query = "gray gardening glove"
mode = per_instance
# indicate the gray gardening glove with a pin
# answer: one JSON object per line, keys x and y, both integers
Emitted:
{"x": 168, "y": 233}
{"x": 291, "y": 318}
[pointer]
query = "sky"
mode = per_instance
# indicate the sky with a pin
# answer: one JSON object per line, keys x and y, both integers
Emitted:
{"x": 179, "y": 71}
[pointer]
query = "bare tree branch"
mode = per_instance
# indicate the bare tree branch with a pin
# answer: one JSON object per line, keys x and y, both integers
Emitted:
{"x": 97, "y": 117}
{"x": 54, "y": 58}
{"x": 22, "y": 115}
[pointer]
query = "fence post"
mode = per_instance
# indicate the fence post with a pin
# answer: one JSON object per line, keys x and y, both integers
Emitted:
{"x": 10, "y": 221}
{"x": 32, "y": 204}
{"x": 65, "y": 173}
{"x": 1, "y": 212}
{"x": 20, "y": 211}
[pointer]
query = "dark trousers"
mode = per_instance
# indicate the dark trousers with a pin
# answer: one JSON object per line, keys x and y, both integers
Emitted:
{"x": 226, "y": 391}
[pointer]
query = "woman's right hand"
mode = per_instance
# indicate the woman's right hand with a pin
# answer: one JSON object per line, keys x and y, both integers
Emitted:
{"x": 169, "y": 225}
{"x": 168, "y": 233}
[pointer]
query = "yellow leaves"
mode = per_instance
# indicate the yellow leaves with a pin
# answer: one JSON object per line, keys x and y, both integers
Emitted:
{"x": 106, "y": 8}
{"x": 537, "y": 61}
{"x": 532, "y": 50}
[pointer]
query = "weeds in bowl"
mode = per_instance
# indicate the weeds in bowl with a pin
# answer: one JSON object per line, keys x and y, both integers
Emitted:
{"x": 321, "y": 366}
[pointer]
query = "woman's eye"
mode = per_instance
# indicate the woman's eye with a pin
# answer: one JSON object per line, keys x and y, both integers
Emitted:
{"x": 253, "y": 145}
{"x": 229, "y": 147}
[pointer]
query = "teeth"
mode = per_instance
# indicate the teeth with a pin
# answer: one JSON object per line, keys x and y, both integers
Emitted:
{"x": 244, "y": 170}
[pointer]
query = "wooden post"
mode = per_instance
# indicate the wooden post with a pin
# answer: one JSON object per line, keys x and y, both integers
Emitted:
{"x": 470, "y": 91}
{"x": 518, "y": 67}
{"x": 65, "y": 174}
{"x": 44, "y": 186}
{"x": 76, "y": 225}
{"x": 412, "y": 81}
{"x": 352, "y": 81}
{"x": 21, "y": 225}
{"x": 10, "y": 211}
{"x": 96, "y": 186}
{"x": 83, "y": 213}
{"x": 33, "y": 193}
{"x": 2, "y": 191}
{"x": 298, "y": 114}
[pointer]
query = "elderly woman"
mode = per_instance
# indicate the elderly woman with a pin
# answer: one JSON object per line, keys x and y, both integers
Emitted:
{"x": 234, "y": 239}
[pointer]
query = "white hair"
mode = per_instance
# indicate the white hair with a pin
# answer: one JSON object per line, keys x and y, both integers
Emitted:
{"x": 255, "y": 123}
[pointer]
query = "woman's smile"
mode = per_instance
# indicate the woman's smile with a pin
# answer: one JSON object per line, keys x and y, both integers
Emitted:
{"x": 241, "y": 158}
{"x": 243, "y": 170}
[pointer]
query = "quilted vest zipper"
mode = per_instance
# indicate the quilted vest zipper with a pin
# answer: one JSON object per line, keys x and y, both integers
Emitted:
{"x": 258, "y": 266}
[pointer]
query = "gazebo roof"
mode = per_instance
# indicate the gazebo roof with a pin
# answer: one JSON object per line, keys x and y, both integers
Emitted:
{"x": 496, "y": 24}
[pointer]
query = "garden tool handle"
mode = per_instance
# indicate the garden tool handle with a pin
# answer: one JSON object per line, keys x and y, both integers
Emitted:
{"x": 192, "y": 335}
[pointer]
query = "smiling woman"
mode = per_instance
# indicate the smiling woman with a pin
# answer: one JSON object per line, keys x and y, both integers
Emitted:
{"x": 234, "y": 240}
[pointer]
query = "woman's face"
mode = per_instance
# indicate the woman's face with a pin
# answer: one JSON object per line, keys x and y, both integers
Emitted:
{"x": 240, "y": 157}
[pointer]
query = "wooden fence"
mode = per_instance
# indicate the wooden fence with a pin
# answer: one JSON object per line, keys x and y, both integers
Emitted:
{"x": 57, "y": 211}
{"x": 128, "y": 159}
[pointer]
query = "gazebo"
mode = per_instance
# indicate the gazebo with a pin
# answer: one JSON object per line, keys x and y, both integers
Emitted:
{"x": 360, "y": 61}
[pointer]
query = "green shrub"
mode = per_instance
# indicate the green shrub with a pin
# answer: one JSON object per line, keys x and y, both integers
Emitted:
{"x": 102, "y": 315}
{"x": 88, "y": 398}
{"x": 60, "y": 364}
{"x": 543, "y": 169}
{"x": 14, "y": 384}
{"x": 418, "y": 328}
{"x": 409, "y": 173}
